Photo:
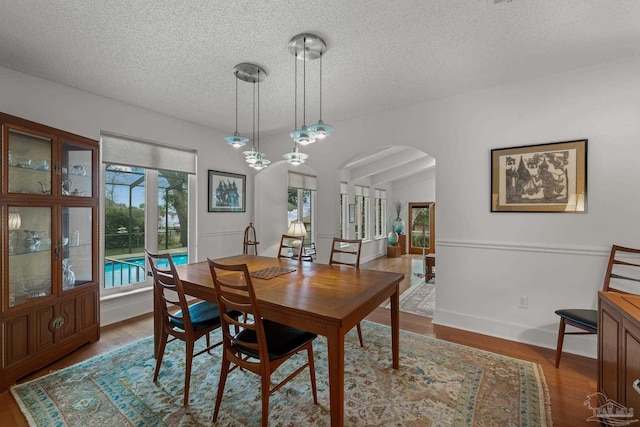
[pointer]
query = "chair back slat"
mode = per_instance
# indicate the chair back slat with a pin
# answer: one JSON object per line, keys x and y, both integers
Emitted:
{"x": 234, "y": 290}
{"x": 168, "y": 291}
{"x": 345, "y": 252}
{"x": 623, "y": 270}
{"x": 291, "y": 247}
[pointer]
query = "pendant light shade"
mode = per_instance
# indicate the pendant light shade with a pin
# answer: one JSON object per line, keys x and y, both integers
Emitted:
{"x": 295, "y": 157}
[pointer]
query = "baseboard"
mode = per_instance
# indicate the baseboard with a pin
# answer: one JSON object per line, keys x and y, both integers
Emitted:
{"x": 540, "y": 337}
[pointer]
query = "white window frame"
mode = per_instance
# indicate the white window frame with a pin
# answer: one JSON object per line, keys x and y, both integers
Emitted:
{"x": 344, "y": 211}
{"x": 362, "y": 201}
{"x": 380, "y": 212}
{"x": 116, "y": 149}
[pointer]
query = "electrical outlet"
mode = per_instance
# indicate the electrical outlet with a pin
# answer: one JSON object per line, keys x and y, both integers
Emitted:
{"x": 523, "y": 302}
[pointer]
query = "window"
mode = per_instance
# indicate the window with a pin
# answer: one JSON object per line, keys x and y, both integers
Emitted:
{"x": 144, "y": 207}
{"x": 301, "y": 203}
{"x": 380, "y": 207}
{"x": 344, "y": 206}
{"x": 362, "y": 212}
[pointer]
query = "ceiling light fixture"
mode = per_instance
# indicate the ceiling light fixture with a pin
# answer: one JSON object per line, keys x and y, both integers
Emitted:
{"x": 235, "y": 140}
{"x": 304, "y": 47}
{"x": 252, "y": 73}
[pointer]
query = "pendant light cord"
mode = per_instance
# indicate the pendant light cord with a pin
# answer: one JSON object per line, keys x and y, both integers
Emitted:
{"x": 236, "y": 104}
{"x": 254, "y": 116}
{"x": 295, "y": 97}
{"x": 258, "y": 110}
{"x": 321, "y": 52}
{"x": 304, "y": 81}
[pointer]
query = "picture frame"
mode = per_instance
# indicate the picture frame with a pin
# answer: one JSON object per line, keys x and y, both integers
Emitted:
{"x": 549, "y": 177}
{"x": 226, "y": 191}
{"x": 352, "y": 213}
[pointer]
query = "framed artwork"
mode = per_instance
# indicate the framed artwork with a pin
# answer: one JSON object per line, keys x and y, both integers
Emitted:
{"x": 540, "y": 178}
{"x": 352, "y": 213}
{"x": 227, "y": 192}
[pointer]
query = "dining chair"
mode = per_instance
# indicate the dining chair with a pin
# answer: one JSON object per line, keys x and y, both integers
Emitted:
{"x": 347, "y": 252}
{"x": 309, "y": 254}
{"x": 262, "y": 345}
{"x": 180, "y": 320}
{"x": 291, "y": 247}
{"x": 622, "y": 275}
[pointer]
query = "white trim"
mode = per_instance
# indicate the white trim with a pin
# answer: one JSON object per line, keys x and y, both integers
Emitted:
{"x": 523, "y": 247}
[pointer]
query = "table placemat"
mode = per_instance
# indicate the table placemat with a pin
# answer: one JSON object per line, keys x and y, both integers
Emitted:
{"x": 271, "y": 272}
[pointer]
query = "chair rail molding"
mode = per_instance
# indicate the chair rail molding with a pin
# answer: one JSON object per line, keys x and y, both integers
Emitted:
{"x": 525, "y": 247}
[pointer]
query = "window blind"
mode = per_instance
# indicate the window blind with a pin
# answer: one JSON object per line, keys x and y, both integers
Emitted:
{"x": 128, "y": 151}
{"x": 305, "y": 182}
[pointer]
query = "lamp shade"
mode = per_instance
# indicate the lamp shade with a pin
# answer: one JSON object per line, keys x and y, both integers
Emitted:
{"x": 297, "y": 228}
{"x": 15, "y": 221}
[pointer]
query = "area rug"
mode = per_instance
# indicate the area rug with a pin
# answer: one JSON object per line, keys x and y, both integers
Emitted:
{"x": 419, "y": 299}
{"x": 438, "y": 384}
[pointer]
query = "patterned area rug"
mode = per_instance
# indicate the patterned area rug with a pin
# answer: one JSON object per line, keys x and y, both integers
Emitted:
{"x": 438, "y": 384}
{"x": 419, "y": 299}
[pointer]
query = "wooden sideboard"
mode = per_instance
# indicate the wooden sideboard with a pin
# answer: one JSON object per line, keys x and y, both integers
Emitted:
{"x": 619, "y": 348}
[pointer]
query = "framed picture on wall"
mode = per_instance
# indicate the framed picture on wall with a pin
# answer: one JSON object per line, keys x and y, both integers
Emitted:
{"x": 540, "y": 178}
{"x": 352, "y": 213}
{"x": 227, "y": 192}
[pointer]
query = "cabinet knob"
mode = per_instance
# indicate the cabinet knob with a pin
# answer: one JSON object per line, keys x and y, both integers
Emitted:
{"x": 57, "y": 322}
{"x": 636, "y": 385}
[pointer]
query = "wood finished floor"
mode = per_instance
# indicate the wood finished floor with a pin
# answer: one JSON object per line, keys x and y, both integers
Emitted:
{"x": 568, "y": 385}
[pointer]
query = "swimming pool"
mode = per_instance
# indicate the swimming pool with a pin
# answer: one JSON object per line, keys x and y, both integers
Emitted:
{"x": 131, "y": 270}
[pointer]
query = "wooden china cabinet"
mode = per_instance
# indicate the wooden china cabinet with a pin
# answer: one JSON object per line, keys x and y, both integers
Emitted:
{"x": 49, "y": 269}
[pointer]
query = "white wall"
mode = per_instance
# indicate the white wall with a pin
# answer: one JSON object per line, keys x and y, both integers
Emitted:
{"x": 486, "y": 261}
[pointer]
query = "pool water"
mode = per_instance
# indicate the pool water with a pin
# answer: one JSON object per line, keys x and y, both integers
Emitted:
{"x": 123, "y": 273}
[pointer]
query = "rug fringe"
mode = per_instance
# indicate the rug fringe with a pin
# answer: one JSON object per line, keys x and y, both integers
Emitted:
{"x": 547, "y": 398}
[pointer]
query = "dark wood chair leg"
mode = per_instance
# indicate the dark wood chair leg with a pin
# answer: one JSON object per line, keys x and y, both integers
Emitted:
{"x": 224, "y": 370}
{"x": 187, "y": 374}
{"x": 360, "y": 335}
{"x": 312, "y": 372}
{"x": 161, "y": 346}
{"x": 266, "y": 392}
{"x": 560, "y": 341}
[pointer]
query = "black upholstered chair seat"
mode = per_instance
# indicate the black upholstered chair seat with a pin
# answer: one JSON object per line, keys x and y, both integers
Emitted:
{"x": 281, "y": 340}
{"x": 204, "y": 314}
{"x": 587, "y": 318}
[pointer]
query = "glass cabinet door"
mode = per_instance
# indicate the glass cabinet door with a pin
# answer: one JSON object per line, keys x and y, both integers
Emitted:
{"x": 29, "y": 160}
{"x": 29, "y": 272}
{"x": 77, "y": 164}
{"x": 77, "y": 247}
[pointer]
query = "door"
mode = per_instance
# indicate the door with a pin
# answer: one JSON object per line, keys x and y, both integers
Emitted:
{"x": 421, "y": 227}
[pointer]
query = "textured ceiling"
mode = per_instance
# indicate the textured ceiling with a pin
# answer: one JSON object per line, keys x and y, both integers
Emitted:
{"x": 177, "y": 57}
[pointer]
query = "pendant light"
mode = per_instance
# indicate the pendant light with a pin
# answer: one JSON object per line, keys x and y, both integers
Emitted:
{"x": 235, "y": 140}
{"x": 249, "y": 73}
{"x": 304, "y": 47}
{"x": 295, "y": 157}
{"x": 321, "y": 129}
{"x": 260, "y": 161}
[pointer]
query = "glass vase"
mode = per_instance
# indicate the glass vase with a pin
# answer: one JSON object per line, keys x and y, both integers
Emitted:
{"x": 393, "y": 238}
{"x": 398, "y": 225}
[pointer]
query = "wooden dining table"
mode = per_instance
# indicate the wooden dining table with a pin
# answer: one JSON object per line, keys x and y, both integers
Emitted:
{"x": 323, "y": 299}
